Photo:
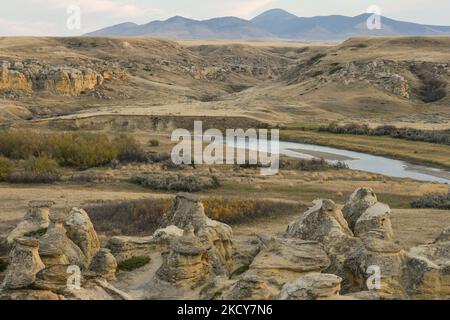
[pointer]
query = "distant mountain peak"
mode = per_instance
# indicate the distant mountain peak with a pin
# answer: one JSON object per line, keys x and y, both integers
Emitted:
{"x": 271, "y": 24}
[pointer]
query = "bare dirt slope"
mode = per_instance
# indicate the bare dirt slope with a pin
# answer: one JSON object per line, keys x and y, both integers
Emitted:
{"x": 401, "y": 79}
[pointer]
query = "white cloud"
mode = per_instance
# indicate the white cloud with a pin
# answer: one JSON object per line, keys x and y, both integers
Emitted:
{"x": 20, "y": 28}
{"x": 245, "y": 8}
{"x": 116, "y": 8}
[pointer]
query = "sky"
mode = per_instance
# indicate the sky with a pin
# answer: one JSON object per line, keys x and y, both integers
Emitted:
{"x": 60, "y": 17}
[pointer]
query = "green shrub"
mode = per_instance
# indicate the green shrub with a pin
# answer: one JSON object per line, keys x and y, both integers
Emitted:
{"x": 129, "y": 150}
{"x": 176, "y": 182}
{"x": 41, "y": 164}
{"x": 38, "y": 233}
{"x": 154, "y": 143}
{"x": 5, "y": 167}
{"x": 133, "y": 263}
{"x": 432, "y": 201}
{"x": 67, "y": 149}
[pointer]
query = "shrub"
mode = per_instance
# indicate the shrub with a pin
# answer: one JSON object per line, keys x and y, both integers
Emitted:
{"x": 129, "y": 150}
{"x": 41, "y": 165}
{"x": 154, "y": 143}
{"x": 133, "y": 263}
{"x": 176, "y": 182}
{"x": 312, "y": 165}
{"x": 38, "y": 233}
{"x": 32, "y": 177}
{"x": 139, "y": 217}
{"x": 432, "y": 201}
{"x": 432, "y": 136}
{"x": 235, "y": 210}
{"x": 3, "y": 265}
{"x": 143, "y": 217}
{"x": 70, "y": 149}
{"x": 5, "y": 167}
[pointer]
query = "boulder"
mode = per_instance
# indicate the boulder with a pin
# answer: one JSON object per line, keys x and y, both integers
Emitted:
{"x": 187, "y": 261}
{"x": 323, "y": 222}
{"x": 187, "y": 209}
{"x": 376, "y": 222}
{"x": 123, "y": 248}
{"x": 249, "y": 287}
{"x": 36, "y": 218}
{"x": 104, "y": 265}
{"x": 53, "y": 278}
{"x": 360, "y": 200}
{"x": 312, "y": 286}
{"x": 81, "y": 231}
{"x": 283, "y": 260}
{"x": 56, "y": 248}
{"x": 25, "y": 263}
{"x": 427, "y": 272}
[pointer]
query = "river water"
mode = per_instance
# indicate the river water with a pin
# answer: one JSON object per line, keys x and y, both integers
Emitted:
{"x": 359, "y": 161}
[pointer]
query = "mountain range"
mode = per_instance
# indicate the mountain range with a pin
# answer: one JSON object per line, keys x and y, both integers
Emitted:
{"x": 272, "y": 24}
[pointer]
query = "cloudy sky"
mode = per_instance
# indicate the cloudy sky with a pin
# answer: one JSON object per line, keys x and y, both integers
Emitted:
{"x": 49, "y": 17}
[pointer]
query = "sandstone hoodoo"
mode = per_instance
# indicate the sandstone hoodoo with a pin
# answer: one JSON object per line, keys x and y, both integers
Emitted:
{"x": 324, "y": 254}
{"x": 36, "y": 218}
{"x": 51, "y": 266}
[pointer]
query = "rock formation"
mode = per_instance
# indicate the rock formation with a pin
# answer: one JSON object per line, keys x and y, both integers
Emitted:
{"x": 25, "y": 263}
{"x": 55, "y": 247}
{"x": 187, "y": 210}
{"x": 359, "y": 201}
{"x": 36, "y": 218}
{"x": 312, "y": 286}
{"x": 42, "y": 266}
{"x": 104, "y": 265}
{"x": 81, "y": 231}
{"x": 187, "y": 261}
{"x": 32, "y": 76}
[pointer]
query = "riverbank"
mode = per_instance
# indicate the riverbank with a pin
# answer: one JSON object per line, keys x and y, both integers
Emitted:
{"x": 416, "y": 152}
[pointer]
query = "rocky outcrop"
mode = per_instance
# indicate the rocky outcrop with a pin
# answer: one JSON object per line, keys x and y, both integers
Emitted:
{"x": 123, "y": 247}
{"x": 380, "y": 73}
{"x": 104, "y": 265}
{"x": 81, "y": 231}
{"x": 312, "y": 286}
{"x": 55, "y": 247}
{"x": 41, "y": 268}
{"x": 187, "y": 210}
{"x": 427, "y": 272}
{"x": 360, "y": 200}
{"x": 353, "y": 255}
{"x": 30, "y": 76}
{"x": 36, "y": 218}
{"x": 25, "y": 263}
{"x": 187, "y": 262}
{"x": 283, "y": 260}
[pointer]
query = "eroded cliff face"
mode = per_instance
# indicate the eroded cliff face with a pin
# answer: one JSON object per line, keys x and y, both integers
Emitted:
{"x": 32, "y": 76}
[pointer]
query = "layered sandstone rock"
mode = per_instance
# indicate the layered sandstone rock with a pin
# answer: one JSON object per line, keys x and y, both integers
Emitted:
{"x": 360, "y": 200}
{"x": 56, "y": 247}
{"x": 32, "y": 76}
{"x": 427, "y": 273}
{"x": 104, "y": 265}
{"x": 186, "y": 210}
{"x": 187, "y": 261}
{"x": 36, "y": 218}
{"x": 353, "y": 256}
{"x": 81, "y": 231}
{"x": 25, "y": 263}
{"x": 312, "y": 286}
